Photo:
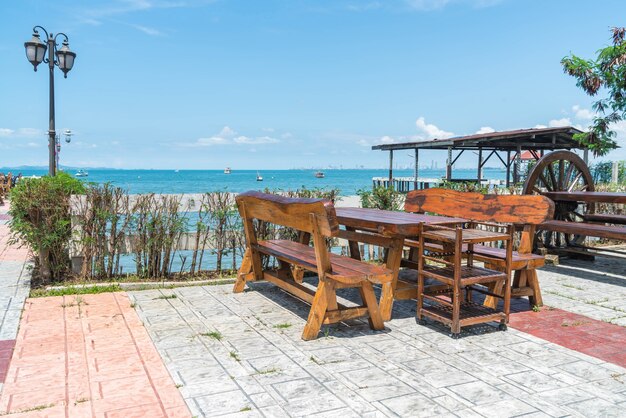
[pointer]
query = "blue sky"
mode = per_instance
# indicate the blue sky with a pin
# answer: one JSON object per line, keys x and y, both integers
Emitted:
{"x": 290, "y": 83}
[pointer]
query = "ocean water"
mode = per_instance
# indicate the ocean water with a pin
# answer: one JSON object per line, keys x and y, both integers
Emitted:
{"x": 200, "y": 181}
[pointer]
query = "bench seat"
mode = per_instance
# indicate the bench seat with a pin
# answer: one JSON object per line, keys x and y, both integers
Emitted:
{"x": 494, "y": 255}
{"x": 344, "y": 269}
{"x": 583, "y": 228}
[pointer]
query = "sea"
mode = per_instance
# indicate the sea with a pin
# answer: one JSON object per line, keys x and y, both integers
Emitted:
{"x": 348, "y": 181}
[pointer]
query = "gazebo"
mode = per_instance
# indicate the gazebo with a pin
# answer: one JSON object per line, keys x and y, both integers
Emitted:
{"x": 513, "y": 143}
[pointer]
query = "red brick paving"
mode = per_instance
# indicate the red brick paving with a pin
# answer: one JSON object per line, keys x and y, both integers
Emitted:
{"x": 577, "y": 332}
{"x": 87, "y": 356}
{"x": 6, "y": 351}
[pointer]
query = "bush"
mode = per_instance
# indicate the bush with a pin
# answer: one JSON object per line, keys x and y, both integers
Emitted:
{"x": 40, "y": 212}
{"x": 381, "y": 197}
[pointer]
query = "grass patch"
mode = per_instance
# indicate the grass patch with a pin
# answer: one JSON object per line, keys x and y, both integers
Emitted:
{"x": 75, "y": 290}
{"x": 245, "y": 409}
{"x": 573, "y": 323}
{"x": 166, "y": 297}
{"x": 216, "y": 335}
{"x": 536, "y": 308}
{"x": 80, "y": 400}
{"x": 234, "y": 355}
{"x": 283, "y": 325}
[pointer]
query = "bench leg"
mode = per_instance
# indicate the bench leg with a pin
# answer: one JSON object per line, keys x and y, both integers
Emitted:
{"x": 317, "y": 312}
{"x": 244, "y": 270}
{"x": 331, "y": 296}
{"x": 369, "y": 299}
{"x": 533, "y": 283}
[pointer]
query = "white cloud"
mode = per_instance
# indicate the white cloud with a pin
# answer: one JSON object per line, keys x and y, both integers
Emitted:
{"x": 555, "y": 123}
{"x": 286, "y": 135}
{"x": 147, "y": 30}
{"x": 228, "y": 136}
{"x": 582, "y": 113}
{"x": 363, "y": 142}
{"x": 258, "y": 140}
{"x": 387, "y": 140}
{"x": 227, "y": 132}
{"x": 431, "y": 131}
{"x": 30, "y": 132}
{"x": 485, "y": 130}
{"x": 6, "y": 132}
{"x": 429, "y": 5}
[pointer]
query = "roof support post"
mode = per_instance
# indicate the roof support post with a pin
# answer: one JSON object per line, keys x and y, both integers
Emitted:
{"x": 449, "y": 165}
{"x": 586, "y": 156}
{"x": 390, "y": 185}
{"x": 480, "y": 164}
{"x": 416, "y": 169}
{"x": 516, "y": 167}
{"x": 508, "y": 168}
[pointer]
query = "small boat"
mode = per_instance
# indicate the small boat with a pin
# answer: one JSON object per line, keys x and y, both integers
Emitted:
{"x": 227, "y": 170}
{"x": 82, "y": 173}
{"x": 258, "y": 177}
{"x": 319, "y": 174}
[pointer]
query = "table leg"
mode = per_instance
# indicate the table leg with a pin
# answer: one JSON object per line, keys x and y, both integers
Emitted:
{"x": 394, "y": 256}
{"x": 353, "y": 246}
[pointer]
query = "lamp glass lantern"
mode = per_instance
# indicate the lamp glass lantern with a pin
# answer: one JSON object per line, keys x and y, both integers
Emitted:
{"x": 65, "y": 58}
{"x": 36, "y": 50}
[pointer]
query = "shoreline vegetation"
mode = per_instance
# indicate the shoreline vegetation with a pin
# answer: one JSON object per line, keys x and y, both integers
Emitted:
{"x": 84, "y": 234}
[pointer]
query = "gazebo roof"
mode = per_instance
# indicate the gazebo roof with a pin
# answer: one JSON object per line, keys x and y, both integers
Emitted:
{"x": 525, "y": 139}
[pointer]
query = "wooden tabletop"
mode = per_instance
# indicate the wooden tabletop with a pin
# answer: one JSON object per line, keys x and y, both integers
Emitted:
{"x": 389, "y": 222}
{"x": 601, "y": 197}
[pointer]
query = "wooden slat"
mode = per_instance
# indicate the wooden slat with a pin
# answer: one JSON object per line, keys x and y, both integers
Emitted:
{"x": 583, "y": 228}
{"x": 339, "y": 315}
{"x": 390, "y": 223}
{"x": 526, "y": 209}
{"x": 343, "y": 268}
{"x": 606, "y": 218}
{"x": 597, "y": 197}
{"x": 290, "y": 212}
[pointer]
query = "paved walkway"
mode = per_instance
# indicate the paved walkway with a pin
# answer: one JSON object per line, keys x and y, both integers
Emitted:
{"x": 242, "y": 352}
{"x": 87, "y": 356}
{"x": 14, "y": 288}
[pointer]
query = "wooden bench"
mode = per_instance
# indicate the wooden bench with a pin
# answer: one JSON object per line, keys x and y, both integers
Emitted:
{"x": 525, "y": 211}
{"x": 314, "y": 218}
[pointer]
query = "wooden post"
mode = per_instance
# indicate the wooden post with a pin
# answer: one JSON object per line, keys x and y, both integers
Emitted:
{"x": 615, "y": 172}
{"x": 449, "y": 165}
{"x": 480, "y": 164}
{"x": 586, "y": 156}
{"x": 516, "y": 167}
{"x": 508, "y": 168}
{"x": 416, "y": 169}
{"x": 390, "y": 168}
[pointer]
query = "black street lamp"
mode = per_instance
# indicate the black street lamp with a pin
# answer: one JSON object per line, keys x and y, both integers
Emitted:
{"x": 35, "y": 52}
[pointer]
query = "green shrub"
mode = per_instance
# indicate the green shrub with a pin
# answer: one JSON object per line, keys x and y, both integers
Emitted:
{"x": 40, "y": 211}
{"x": 381, "y": 197}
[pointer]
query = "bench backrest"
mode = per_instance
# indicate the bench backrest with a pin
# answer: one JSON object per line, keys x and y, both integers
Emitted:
{"x": 292, "y": 212}
{"x": 516, "y": 209}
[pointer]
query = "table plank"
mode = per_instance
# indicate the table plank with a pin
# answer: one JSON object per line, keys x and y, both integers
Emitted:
{"x": 390, "y": 223}
{"x": 596, "y": 197}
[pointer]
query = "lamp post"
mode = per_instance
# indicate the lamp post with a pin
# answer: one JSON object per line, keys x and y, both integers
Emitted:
{"x": 35, "y": 52}
{"x": 68, "y": 138}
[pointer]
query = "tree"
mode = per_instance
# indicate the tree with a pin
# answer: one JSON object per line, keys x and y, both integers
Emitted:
{"x": 607, "y": 72}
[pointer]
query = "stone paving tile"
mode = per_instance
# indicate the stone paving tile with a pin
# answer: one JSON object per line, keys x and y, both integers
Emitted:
{"x": 14, "y": 289}
{"x": 79, "y": 356}
{"x": 230, "y": 357}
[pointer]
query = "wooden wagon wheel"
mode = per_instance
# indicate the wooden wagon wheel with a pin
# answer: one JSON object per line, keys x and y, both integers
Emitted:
{"x": 561, "y": 171}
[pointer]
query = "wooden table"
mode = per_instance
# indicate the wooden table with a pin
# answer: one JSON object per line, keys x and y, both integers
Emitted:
{"x": 387, "y": 229}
